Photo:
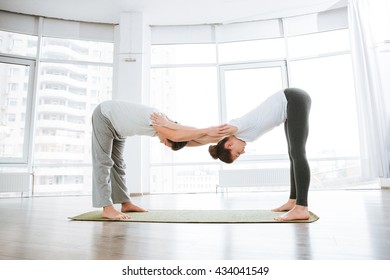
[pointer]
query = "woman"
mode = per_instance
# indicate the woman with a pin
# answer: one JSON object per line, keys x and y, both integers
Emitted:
{"x": 291, "y": 107}
{"x": 112, "y": 122}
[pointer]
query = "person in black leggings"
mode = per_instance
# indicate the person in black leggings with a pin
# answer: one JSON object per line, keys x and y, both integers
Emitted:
{"x": 296, "y": 128}
{"x": 291, "y": 107}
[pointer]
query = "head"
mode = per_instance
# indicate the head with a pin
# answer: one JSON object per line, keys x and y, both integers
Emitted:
{"x": 228, "y": 149}
{"x": 175, "y": 146}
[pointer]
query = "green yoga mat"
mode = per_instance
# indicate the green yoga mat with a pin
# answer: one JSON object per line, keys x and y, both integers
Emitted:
{"x": 196, "y": 216}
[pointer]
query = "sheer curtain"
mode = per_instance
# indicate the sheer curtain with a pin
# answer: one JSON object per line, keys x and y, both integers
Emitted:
{"x": 373, "y": 99}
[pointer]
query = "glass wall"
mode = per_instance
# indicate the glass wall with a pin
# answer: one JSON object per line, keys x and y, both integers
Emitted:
{"x": 15, "y": 102}
{"x": 241, "y": 76}
{"x": 187, "y": 94}
{"x": 72, "y": 77}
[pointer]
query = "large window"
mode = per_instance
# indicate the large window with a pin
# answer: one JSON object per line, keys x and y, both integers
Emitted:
{"x": 267, "y": 49}
{"x": 245, "y": 73}
{"x": 244, "y": 87}
{"x": 46, "y": 110}
{"x": 12, "y": 43}
{"x": 67, "y": 94}
{"x": 333, "y": 142}
{"x": 16, "y": 78}
{"x": 187, "y": 94}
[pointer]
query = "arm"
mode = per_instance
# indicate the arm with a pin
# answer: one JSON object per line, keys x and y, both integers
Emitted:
{"x": 159, "y": 119}
{"x": 204, "y": 140}
{"x": 180, "y": 135}
{"x": 177, "y": 132}
{"x": 189, "y": 134}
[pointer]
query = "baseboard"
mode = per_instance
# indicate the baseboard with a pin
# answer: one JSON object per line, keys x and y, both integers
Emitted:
{"x": 138, "y": 194}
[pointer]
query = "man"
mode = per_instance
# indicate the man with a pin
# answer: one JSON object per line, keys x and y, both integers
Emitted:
{"x": 112, "y": 122}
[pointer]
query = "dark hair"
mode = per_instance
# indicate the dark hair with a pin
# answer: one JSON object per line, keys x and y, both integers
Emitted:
{"x": 177, "y": 145}
{"x": 220, "y": 152}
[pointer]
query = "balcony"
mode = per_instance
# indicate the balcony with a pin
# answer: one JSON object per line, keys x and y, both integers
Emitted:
{"x": 49, "y": 108}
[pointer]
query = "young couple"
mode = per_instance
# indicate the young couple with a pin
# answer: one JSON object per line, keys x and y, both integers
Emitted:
{"x": 113, "y": 121}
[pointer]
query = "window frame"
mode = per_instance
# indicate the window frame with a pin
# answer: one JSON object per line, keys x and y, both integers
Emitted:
{"x": 27, "y": 138}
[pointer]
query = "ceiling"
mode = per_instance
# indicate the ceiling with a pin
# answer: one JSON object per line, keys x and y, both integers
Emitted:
{"x": 168, "y": 12}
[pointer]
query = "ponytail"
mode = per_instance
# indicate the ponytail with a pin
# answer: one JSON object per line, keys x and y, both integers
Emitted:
{"x": 220, "y": 152}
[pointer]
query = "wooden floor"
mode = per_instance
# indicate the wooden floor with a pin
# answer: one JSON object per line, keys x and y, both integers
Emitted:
{"x": 353, "y": 225}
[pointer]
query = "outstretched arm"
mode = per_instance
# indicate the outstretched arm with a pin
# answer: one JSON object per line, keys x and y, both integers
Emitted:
{"x": 188, "y": 134}
{"x": 204, "y": 140}
{"x": 196, "y": 137}
{"x": 160, "y": 119}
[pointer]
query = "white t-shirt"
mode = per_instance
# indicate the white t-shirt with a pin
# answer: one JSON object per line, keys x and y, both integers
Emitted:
{"x": 268, "y": 115}
{"x": 129, "y": 118}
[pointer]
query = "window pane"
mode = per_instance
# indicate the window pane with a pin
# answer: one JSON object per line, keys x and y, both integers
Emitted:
{"x": 183, "y": 54}
{"x": 318, "y": 43}
{"x": 18, "y": 44}
{"x": 184, "y": 179}
{"x": 247, "y": 88}
{"x": 14, "y": 81}
{"x": 189, "y": 96}
{"x": 65, "y": 180}
{"x": 67, "y": 95}
{"x": 252, "y": 50}
{"x": 333, "y": 118}
{"x": 77, "y": 50}
{"x": 379, "y": 15}
{"x": 384, "y": 69}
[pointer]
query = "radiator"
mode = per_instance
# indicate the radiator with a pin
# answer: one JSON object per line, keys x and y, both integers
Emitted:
{"x": 15, "y": 182}
{"x": 254, "y": 177}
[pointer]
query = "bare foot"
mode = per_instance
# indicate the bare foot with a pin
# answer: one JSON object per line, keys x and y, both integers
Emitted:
{"x": 290, "y": 204}
{"x": 130, "y": 207}
{"x": 110, "y": 212}
{"x": 297, "y": 213}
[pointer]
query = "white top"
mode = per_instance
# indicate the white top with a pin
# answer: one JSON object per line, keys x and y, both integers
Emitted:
{"x": 128, "y": 118}
{"x": 268, "y": 115}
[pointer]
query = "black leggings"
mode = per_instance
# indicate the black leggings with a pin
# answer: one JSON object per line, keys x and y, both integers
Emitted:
{"x": 296, "y": 128}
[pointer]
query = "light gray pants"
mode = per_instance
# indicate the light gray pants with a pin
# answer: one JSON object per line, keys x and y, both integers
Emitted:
{"x": 108, "y": 166}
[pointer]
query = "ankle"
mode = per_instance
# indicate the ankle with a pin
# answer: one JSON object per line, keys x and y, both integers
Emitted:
{"x": 301, "y": 207}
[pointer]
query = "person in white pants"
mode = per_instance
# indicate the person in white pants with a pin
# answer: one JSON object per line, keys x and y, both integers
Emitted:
{"x": 112, "y": 122}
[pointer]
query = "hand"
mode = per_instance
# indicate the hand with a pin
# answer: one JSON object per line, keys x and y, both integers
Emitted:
{"x": 221, "y": 130}
{"x": 229, "y": 129}
{"x": 159, "y": 119}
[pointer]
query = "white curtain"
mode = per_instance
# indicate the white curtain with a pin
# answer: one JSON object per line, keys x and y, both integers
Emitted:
{"x": 373, "y": 100}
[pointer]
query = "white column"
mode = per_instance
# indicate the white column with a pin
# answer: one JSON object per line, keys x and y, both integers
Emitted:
{"x": 130, "y": 76}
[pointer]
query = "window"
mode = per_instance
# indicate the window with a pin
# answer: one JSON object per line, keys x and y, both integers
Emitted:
{"x": 245, "y": 87}
{"x": 267, "y": 49}
{"x": 334, "y": 139}
{"x": 67, "y": 95}
{"x": 74, "y": 75}
{"x": 18, "y": 44}
{"x": 14, "y": 131}
{"x": 183, "y": 54}
{"x": 187, "y": 95}
{"x": 78, "y": 50}
{"x": 318, "y": 43}
{"x": 246, "y": 73}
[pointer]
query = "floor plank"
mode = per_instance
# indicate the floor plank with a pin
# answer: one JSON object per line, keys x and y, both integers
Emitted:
{"x": 353, "y": 225}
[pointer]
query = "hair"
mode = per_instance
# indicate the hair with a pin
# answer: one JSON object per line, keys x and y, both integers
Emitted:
{"x": 220, "y": 152}
{"x": 177, "y": 145}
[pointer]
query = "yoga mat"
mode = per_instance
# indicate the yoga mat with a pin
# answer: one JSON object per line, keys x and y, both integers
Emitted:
{"x": 196, "y": 216}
